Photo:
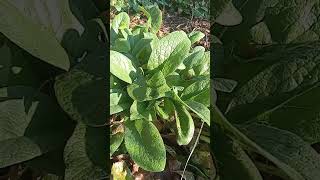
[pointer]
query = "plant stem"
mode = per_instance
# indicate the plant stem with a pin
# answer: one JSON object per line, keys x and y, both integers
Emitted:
{"x": 193, "y": 148}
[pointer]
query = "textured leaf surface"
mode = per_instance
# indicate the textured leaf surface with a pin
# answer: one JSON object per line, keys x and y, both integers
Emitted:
{"x": 145, "y": 93}
{"x": 57, "y": 18}
{"x": 122, "y": 67}
{"x": 121, "y": 21}
{"x": 115, "y": 142}
{"x": 119, "y": 101}
{"x": 21, "y": 29}
{"x": 256, "y": 141}
{"x": 288, "y": 148}
{"x": 303, "y": 112}
{"x": 31, "y": 125}
{"x": 185, "y": 125}
{"x": 142, "y": 110}
{"x": 165, "y": 47}
{"x": 81, "y": 92}
{"x": 225, "y": 13}
{"x": 230, "y": 155}
{"x": 86, "y": 153}
{"x": 201, "y": 110}
{"x": 195, "y": 89}
{"x": 291, "y": 70}
{"x": 145, "y": 145}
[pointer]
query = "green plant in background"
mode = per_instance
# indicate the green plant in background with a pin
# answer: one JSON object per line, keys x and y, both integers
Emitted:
{"x": 193, "y": 8}
{"x": 267, "y": 125}
{"x": 155, "y": 79}
{"x": 52, "y": 77}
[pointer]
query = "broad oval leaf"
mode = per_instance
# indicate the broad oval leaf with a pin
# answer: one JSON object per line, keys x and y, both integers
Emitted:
{"x": 89, "y": 87}
{"x": 164, "y": 47}
{"x": 122, "y": 67}
{"x": 146, "y": 93}
{"x": 119, "y": 101}
{"x": 225, "y": 13}
{"x": 184, "y": 123}
{"x": 290, "y": 149}
{"x": 120, "y": 21}
{"x": 142, "y": 110}
{"x": 115, "y": 142}
{"x": 154, "y": 15}
{"x": 176, "y": 57}
{"x": 145, "y": 145}
{"x": 86, "y": 150}
{"x": 230, "y": 155}
{"x": 21, "y": 30}
{"x": 201, "y": 110}
{"x": 31, "y": 125}
{"x": 195, "y": 89}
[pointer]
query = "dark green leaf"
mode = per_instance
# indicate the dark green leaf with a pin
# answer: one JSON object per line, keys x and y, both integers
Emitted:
{"x": 230, "y": 155}
{"x": 115, "y": 142}
{"x": 145, "y": 145}
{"x": 86, "y": 150}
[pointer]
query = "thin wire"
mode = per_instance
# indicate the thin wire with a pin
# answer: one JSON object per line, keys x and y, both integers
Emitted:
{"x": 193, "y": 148}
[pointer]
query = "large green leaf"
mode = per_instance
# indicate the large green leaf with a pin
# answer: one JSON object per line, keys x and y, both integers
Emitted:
{"x": 120, "y": 21}
{"x": 145, "y": 145}
{"x": 21, "y": 28}
{"x": 195, "y": 89}
{"x": 119, "y": 101}
{"x": 115, "y": 141}
{"x": 282, "y": 73}
{"x": 201, "y": 110}
{"x": 230, "y": 155}
{"x": 194, "y": 58}
{"x": 154, "y": 15}
{"x": 142, "y": 110}
{"x": 184, "y": 123}
{"x": 274, "y": 147}
{"x": 277, "y": 21}
{"x": 86, "y": 153}
{"x": 299, "y": 114}
{"x": 31, "y": 125}
{"x": 57, "y": 18}
{"x": 165, "y": 47}
{"x": 81, "y": 92}
{"x": 122, "y": 67}
{"x": 225, "y": 13}
{"x": 176, "y": 57}
{"x": 145, "y": 93}
{"x": 290, "y": 149}
{"x": 156, "y": 80}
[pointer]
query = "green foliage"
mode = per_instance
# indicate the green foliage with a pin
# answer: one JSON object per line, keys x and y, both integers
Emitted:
{"x": 272, "y": 115}
{"x": 193, "y": 8}
{"x": 150, "y": 75}
{"x": 53, "y": 58}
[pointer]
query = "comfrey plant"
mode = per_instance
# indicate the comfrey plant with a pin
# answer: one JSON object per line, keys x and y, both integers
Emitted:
{"x": 155, "y": 79}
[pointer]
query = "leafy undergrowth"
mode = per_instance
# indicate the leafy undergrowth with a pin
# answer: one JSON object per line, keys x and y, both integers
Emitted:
{"x": 159, "y": 98}
{"x": 268, "y": 127}
{"x": 52, "y": 98}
